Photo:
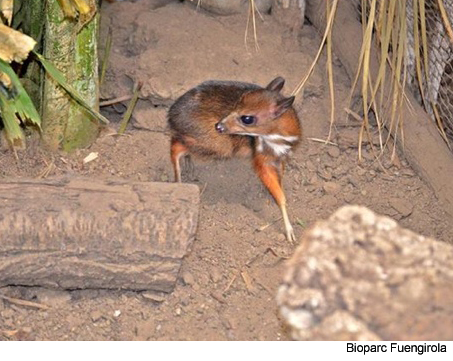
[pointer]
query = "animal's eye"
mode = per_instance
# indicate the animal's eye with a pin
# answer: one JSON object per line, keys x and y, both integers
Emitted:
{"x": 248, "y": 119}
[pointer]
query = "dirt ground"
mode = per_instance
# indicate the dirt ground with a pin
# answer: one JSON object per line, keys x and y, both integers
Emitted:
{"x": 229, "y": 279}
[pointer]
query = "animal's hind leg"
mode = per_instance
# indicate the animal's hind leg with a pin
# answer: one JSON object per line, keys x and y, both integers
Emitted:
{"x": 177, "y": 150}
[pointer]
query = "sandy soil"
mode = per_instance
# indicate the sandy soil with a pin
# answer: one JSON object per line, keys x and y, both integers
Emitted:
{"x": 228, "y": 281}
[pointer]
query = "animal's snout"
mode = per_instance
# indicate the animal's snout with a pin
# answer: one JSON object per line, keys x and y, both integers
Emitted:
{"x": 220, "y": 127}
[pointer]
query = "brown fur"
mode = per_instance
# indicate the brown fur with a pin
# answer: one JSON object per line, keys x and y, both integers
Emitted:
{"x": 207, "y": 121}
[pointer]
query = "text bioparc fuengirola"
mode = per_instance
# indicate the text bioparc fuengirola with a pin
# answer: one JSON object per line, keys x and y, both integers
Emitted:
{"x": 396, "y": 347}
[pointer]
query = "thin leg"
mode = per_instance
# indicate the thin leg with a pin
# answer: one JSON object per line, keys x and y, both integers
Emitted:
{"x": 177, "y": 150}
{"x": 268, "y": 170}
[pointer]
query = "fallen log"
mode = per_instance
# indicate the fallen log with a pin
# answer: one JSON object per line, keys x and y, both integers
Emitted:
{"x": 85, "y": 233}
{"x": 423, "y": 146}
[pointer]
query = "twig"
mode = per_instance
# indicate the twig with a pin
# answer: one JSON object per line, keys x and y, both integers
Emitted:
{"x": 248, "y": 282}
{"x": 203, "y": 189}
{"x": 353, "y": 114}
{"x": 46, "y": 171}
{"x": 325, "y": 141}
{"x": 108, "y": 47}
{"x": 130, "y": 109}
{"x": 217, "y": 297}
{"x": 19, "y": 302}
{"x": 268, "y": 225}
{"x": 230, "y": 283}
{"x": 9, "y": 333}
{"x": 123, "y": 98}
{"x": 445, "y": 20}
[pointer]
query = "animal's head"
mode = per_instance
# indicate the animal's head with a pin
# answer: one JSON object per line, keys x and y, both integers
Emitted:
{"x": 258, "y": 111}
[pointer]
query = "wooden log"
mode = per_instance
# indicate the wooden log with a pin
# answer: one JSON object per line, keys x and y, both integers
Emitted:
{"x": 423, "y": 146}
{"x": 85, "y": 233}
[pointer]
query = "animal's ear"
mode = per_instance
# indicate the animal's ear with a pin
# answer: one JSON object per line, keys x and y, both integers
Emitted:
{"x": 276, "y": 84}
{"x": 283, "y": 105}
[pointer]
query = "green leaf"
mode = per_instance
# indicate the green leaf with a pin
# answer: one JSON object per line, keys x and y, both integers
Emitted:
{"x": 21, "y": 103}
{"x": 58, "y": 76}
{"x": 13, "y": 131}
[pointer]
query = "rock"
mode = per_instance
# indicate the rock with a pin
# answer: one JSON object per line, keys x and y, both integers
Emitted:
{"x": 153, "y": 296}
{"x": 348, "y": 198}
{"x": 402, "y": 206}
{"x": 150, "y": 118}
{"x": 354, "y": 180}
{"x": 329, "y": 201}
{"x": 49, "y": 297}
{"x": 339, "y": 171}
{"x": 145, "y": 330}
{"x": 334, "y": 152}
{"x": 331, "y": 188}
{"x": 310, "y": 166}
{"x": 291, "y": 14}
{"x": 325, "y": 173}
{"x": 96, "y": 315}
{"x": 360, "y": 277}
{"x": 188, "y": 278}
{"x": 361, "y": 172}
{"x": 313, "y": 180}
{"x": 348, "y": 138}
{"x": 216, "y": 275}
{"x": 229, "y": 7}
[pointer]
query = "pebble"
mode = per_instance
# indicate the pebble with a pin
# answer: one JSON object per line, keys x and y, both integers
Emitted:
{"x": 329, "y": 201}
{"x": 402, "y": 206}
{"x": 313, "y": 180}
{"x": 348, "y": 197}
{"x": 313, "y": 150}
{"x": 311, "y": 188}
{"x": 96, "y": 316}
{"x": 216, "y": 275}
{"x": 117, "y": 313}
{"x": 354, "y": 181}
{"x": 348, "y": 138}
{"x": 178, "y": 311}
{"x": 331, "y": 188}
{"x": 325, "y": 174}
{"x": 196, "y": 287}
{"x": 281, "y": 238}
{"x": 310, "y": 166}
{"x": 334, "y": 152}
{"x": 185, "y": 301}
{"x": 369, "y": 176}
{"x": 339, "y": 171}
{"x": 361, "y": 171}
{"x": 150, "y": 118}
{"x": 408, "y": 172}
{"x": 153, "y": 297}
{"x": 188, "y": 278}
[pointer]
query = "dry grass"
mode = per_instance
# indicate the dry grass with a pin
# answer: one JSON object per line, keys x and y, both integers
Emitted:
{"x": 385, "y": 25}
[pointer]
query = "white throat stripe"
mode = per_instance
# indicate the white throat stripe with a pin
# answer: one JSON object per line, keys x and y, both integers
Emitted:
{"x": 286, "y": 138}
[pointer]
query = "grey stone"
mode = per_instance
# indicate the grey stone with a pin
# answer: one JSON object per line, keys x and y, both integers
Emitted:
{"x": 359, "y": 276}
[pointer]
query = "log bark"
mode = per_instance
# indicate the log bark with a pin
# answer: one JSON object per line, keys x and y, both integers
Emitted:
{"x": 423, "y": 146}
{"x": 80, "y": 233}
